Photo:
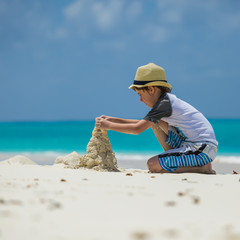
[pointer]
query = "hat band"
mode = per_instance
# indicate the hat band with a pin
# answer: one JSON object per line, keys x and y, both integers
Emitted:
{"x": 136, "y": 82}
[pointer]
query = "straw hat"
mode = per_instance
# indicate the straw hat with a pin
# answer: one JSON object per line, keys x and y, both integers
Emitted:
{"x": 150, "y": 75}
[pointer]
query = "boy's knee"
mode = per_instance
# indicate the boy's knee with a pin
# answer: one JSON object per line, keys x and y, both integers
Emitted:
{"x": 153, "y": 165}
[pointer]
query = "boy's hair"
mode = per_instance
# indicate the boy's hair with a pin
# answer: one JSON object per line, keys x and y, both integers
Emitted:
{"x": 163, "y": 89}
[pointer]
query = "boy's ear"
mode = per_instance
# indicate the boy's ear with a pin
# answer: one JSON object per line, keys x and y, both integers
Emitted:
{"x": 151, "y": 89}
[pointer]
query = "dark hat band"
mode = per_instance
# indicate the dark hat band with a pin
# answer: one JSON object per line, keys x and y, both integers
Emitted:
{"x": 136, "y": 82}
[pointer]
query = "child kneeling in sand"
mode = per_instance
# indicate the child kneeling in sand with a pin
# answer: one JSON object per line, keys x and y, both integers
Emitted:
{"x": 184, "y": 133}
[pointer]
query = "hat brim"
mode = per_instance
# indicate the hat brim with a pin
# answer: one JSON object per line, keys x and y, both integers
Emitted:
{"x": 160, "y": 84}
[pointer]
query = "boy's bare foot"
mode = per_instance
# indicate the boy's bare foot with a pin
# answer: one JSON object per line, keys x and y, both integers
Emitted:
{"x": 154, "y": 167}
{"x": 207, "y": 169}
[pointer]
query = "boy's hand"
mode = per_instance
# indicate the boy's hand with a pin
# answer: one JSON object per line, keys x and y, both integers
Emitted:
{"x": 107, "y": 118}
{"x": 102, "y": 123}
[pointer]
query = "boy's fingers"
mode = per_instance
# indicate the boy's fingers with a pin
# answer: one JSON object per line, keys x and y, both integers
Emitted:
{"x": 102, "y": 117}
{"x": 98, "y": 125}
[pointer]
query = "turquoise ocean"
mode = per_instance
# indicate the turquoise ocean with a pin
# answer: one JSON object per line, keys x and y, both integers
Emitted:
{"x": 51, "y": 139}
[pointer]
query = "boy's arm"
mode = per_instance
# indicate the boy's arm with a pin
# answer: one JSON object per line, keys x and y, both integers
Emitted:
{"x": 135, "y": 127}
{"x": 119, "y": 120}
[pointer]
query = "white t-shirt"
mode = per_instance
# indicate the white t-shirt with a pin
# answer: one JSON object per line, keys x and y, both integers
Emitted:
{"x": 181, "y": 115}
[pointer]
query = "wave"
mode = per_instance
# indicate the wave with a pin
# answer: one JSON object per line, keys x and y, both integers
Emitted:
{"x": 228, "y": 159}
{"x": 232, "y": 159}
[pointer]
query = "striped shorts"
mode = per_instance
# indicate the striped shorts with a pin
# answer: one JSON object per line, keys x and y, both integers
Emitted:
{"x": 185, "y": 154}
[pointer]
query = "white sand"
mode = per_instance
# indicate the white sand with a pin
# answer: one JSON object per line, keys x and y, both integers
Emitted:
{"x": 36, "y": 204}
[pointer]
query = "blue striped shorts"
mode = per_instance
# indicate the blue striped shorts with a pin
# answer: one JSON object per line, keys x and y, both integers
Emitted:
{"x": 185, "y": 154}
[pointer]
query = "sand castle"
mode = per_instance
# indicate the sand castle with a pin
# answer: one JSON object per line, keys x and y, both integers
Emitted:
{"x": 99, "y": 155}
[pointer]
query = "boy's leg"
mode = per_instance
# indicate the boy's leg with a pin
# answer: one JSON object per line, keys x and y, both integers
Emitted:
{"x": 161, "y": 132}
{"x": 154, "y": 167}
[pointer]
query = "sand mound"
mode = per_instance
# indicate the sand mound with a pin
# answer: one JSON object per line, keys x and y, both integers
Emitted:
{"x": 99, "y": 155}
{"x": 18, "y": 160}
{"x": 71, "y": 160}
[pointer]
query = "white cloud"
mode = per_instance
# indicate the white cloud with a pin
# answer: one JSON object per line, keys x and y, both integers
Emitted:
{"x": 166, "y": 19}
{"x": 92, "y": 14}
{"x": 84, "y": 18}
{"x": 74, "y": 10}
{"x": 172, "y": 16}
{"x": 107, "y": 14}
{"x": 217, "y": 15}
{"x": 155, "y": 33}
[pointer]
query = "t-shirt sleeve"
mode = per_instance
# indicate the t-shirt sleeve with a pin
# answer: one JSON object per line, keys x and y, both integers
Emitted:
{"x": 162, "y": 108}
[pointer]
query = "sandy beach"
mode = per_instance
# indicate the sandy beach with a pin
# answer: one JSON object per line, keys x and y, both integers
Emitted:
{"x": 93, "y": 89}
{"x": 52, "y": 202}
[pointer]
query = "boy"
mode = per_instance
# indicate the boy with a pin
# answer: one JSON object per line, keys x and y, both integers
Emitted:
{"x": 184, "y": 133}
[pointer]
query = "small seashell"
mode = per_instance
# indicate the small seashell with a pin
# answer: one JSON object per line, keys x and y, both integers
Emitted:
{"x": 196, "y": 200}
{"x": 180, "y": 194}
{"x": 170, "y": 203}
{"x": 128, "y": 174}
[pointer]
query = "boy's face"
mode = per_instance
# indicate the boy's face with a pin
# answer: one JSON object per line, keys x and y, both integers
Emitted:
{"x": 148, "y": 97}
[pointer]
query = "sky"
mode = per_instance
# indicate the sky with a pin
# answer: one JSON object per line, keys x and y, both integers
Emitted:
{"x": 75, "y": 59}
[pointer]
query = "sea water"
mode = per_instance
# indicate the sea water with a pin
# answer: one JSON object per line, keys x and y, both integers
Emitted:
{"x": 51, "y": 139}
